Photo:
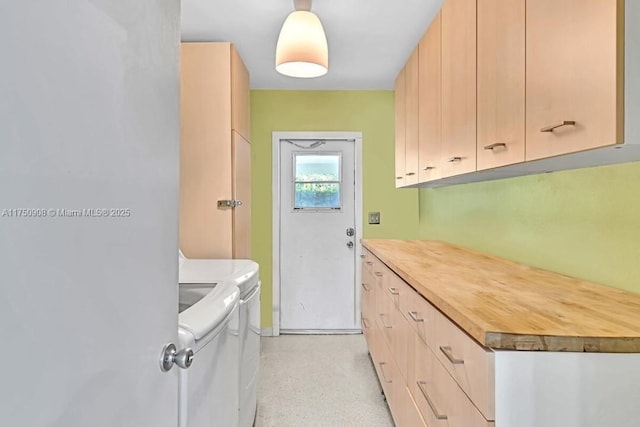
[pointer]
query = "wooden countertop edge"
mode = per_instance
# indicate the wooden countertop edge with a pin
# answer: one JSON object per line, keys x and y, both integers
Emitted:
{"x": 498, "y": 340}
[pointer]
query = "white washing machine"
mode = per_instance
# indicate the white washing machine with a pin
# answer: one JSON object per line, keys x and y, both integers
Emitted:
{"x": 208, "y": 323}
{"x": 245, "y": 275}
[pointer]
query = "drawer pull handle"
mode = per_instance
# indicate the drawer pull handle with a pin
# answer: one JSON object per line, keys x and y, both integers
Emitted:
{"x": 384, "y": 377}
{"x": 393, "y": 291}
{"x": 362, "y": 255}
{"x": 494, "y": 146}
{"x": 422, "y": 386}
{"x": 414, "y": 316}
{"x": 410, "y": 174}
{"x": 369, "y": 262}
{"x": 564, "y": 123}
{"x": 398, "y": 177}
{"x": 365, "y": 287}
{"x": 364, "y": 322}
{"x": 447, "y": 352}
{"x": 378, "y": 273}
{"x": 428, "y": 168}
{"x": 384, "y": 323}
{"x": 454, "y": 159}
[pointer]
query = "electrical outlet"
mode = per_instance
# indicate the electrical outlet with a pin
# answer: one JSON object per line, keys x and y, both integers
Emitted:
{"x": 374, "y": 217}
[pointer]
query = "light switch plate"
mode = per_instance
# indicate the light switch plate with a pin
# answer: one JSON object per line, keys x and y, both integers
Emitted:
{"x": 374, "y": 217}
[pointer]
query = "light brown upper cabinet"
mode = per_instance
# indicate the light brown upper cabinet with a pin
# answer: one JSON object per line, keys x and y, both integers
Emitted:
{"x": 240, "y": 94}
{"x": 430, "y": 159}
{"x": 574, "y": 75}
{"x": 411, "y": 83}
{"x": 501, "y": 82}
{"x": 400, "y": 128}
{"x": 458, "y": 86}
{"x": 214, "y": 152}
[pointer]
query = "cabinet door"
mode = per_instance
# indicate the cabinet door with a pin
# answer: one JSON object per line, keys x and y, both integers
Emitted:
{"x": 501, "y": 56}
{"x": 400, "y": 129}
{"x": 574, "y": 74}
{"x": 459, "y": 86}
{"x": 411, "y": 85}
{"x": 429, "y": 158}
{"x": 240, "y": 96}
{"x": 241, "y": 193}
{"x": 205, "y": 150}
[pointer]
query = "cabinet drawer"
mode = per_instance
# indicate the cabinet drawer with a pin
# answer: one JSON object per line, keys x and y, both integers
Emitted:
{"x": 420, "y": 315}
{"x": 471, "y": 365}
{"x": 438, "y": 397}
{"x": 367, "y": 262}
{"x": 395, "y": 288}
{"x": 367, "y": 296}
{"x": 400, "y": 333}
{"x": 410, "y": 416}
{"x": 385, "y": 368}
{"x": 367, "y": 329}
{"x": 384, "y": 315}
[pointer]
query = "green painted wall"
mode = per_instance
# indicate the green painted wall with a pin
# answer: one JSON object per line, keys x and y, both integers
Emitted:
{"x": 369, "y": 112}
{"x": 583, "y": 223}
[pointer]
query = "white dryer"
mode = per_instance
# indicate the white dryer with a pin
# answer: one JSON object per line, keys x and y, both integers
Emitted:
{"x": 245, "y": 275}
{"x": 208, "y": 323}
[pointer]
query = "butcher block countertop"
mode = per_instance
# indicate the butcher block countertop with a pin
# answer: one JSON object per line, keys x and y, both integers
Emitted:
{"x": 511, "y": 306}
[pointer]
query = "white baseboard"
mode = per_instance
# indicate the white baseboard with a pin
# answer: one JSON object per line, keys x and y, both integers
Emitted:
{"x": 267, "y": 332}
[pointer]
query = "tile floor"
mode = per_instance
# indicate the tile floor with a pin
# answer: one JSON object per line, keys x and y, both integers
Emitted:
{"x": 318, "y": 380}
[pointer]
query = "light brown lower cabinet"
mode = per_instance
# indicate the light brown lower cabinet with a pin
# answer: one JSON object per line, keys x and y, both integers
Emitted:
{"x": 403, "y": 333}
{"x": 434, "y": 373}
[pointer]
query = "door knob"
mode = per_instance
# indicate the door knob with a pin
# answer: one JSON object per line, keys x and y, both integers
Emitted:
{"x": 350, "y": 245}
{"x": 350, "y": 232}
{"x": 170, "y": 356}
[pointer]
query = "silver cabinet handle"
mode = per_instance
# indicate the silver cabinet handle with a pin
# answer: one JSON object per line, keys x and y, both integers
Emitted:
{"x": 378, "y": 273}
{"x": 365, "y": 287}
{"x": 369, "y": 262}
{"x": 428, "y": 168}
{"x": 454, "y": 159}
{"x": 564, "y": 123}
{"x": 410, "y": 173}
{"x": 398, "y": 177}
{"x": 170, "y": 356}
{"x": 449, "y": 354}
{"x": 422, "y": 386}
{"x": 496, "y": 145}
{"x": 414, "y": 316}
{"x": 393, "y": 291}
{"x": 229, "y": 203}
{"x": 384, "y": 377}
{"x": 383, "y": 322}
{"x": 362, "y": 255}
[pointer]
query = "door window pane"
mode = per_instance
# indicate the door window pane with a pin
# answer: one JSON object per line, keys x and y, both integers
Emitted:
{"x": 317, "y": 181}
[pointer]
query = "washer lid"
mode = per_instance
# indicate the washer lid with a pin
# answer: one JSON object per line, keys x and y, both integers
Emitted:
{"x": 207, "y": 314}
{"x": 241, "y": 272}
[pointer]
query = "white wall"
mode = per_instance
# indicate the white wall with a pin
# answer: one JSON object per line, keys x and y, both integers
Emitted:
{"x": 88, "y": 119}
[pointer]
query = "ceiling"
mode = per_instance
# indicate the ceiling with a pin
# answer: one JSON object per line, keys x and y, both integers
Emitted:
{"x": 369, "y": 40}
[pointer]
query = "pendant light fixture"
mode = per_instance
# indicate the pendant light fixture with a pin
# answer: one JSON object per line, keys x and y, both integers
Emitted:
{"x": 302, "y": 45}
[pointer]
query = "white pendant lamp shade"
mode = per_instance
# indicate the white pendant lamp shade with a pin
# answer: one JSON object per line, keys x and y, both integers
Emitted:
{"x": 302, "y": 46}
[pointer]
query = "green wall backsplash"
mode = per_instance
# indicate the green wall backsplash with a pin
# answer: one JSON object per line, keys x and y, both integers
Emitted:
{"x": 369, "y": 112}
{"x": 583, "y": 223}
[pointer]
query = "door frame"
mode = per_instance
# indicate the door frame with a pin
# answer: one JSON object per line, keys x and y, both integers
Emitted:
{"x": 276, "y": 137}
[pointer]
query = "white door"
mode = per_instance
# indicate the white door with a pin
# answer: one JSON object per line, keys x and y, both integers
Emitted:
{"x": 88, "y": 212}
{"x": 318, "y": 240}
